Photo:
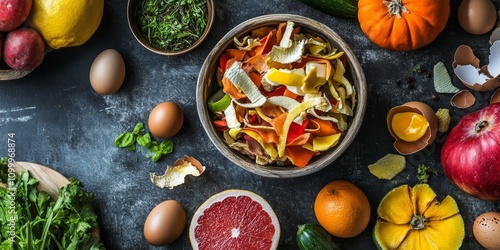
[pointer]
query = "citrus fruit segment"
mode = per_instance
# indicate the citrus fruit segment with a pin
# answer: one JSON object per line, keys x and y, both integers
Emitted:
{"x": 234, "y": 219}
{"x": 412, "y": 218}
{"x": 342, "y": 209}
{"x": 66, "y": 23}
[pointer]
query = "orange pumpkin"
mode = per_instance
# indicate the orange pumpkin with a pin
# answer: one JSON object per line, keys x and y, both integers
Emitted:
{"x": 403, "y": 25}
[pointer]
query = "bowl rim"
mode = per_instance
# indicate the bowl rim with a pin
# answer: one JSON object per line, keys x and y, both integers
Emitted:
{"x": 357, "y": 75}
{"x": 134, "y": 29}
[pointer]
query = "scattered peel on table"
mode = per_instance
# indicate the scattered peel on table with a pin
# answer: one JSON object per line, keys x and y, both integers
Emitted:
{"x": 175, "y": 175}
{"x": 443, "y": 116}
{"x": 290, "y": 98}
{"x": 463, "y": 99}
{"x": 442, "y": 80}
{"x": 388, "y": 166}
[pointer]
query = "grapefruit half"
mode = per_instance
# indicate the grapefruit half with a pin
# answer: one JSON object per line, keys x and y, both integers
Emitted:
{"x": 234, "y": 219}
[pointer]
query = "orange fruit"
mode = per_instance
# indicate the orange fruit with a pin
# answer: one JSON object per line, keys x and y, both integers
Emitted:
{"x": 234, "y": 219}
{"x": 342, "y": 209}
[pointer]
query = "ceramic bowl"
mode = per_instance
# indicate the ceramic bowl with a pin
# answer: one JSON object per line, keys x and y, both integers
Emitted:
{"x": 207, "y": 82}
{"x": 134, "y": 28}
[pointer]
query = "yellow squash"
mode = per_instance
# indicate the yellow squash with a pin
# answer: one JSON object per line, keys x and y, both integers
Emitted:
{"x": 412, "y": 218}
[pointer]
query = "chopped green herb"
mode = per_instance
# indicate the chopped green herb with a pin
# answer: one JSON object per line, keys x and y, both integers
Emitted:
{"x": 140, "y": 136}
{"x": 424, "y": 172}
{"x": 172, "y": 24}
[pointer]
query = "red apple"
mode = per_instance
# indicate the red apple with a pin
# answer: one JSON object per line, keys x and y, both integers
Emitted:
{"x": 23, "y": 49}
{"x": 13, "y": 13}
{"x": 471, "y": 154}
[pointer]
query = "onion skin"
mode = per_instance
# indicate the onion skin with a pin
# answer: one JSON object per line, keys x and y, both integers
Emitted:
{"x": 470, "y": 156}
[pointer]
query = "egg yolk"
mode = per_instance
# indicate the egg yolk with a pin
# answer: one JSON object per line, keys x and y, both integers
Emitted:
{"x": 409, "y": 126}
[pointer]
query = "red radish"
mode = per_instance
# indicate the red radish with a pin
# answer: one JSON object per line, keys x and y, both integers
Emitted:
{"x": 13, "y": 13}
{"x": 471, "y": 154}
{"x": 23, "y": 49}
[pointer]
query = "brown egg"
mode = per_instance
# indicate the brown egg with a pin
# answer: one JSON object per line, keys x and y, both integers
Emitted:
{"x": 410, "y": 147}
{"x": 486, "y": 229}
{"x": 165, "y": 120}
{"x": 477, "y": 16}
{"x": 107, "y": 72}
{"x": 165, "y": 223}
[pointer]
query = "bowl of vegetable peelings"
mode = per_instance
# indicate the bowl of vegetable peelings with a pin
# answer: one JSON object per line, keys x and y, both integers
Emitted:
{"x": 169, "y": 27}
{"x": 281, "y": 96}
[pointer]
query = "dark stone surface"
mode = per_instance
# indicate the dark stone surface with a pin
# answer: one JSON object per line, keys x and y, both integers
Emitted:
{"x": 62, "y": 123}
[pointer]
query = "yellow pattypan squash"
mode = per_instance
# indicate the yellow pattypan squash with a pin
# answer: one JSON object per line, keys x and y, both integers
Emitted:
{"x": 412, "y": 218}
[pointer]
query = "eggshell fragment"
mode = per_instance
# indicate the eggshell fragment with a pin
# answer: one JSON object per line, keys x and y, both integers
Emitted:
{"x": 404, "y": 147}
{"x": 466, "y": 68}
{"x": 463, "y": 99}
{"x": 486, "y": 230}
{"x": 165, "y": 223}
{"x": 107, "y": 72}
{"x": 175, "y": 175}
{"x": 495, "y": 97}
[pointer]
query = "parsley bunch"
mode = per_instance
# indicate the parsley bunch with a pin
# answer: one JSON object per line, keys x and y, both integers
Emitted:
{"x": 41, "y": 223}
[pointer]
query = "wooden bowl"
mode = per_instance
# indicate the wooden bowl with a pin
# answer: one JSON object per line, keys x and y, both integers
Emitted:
{"x": 207, "y": 83}
{"x": 133, "y": 25}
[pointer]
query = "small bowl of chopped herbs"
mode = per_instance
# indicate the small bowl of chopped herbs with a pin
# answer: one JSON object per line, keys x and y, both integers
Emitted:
{"x": 170, "y": 27}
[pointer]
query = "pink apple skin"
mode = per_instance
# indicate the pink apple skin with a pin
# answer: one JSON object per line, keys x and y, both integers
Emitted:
{"x": 23, "y": 49}
{"x": 471, "y": 154}
{"x": 13, "y": 13}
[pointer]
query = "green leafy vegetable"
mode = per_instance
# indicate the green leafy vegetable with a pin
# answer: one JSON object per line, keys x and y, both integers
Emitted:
{"x": 172, "y": 24}
{"x": 29, "y": 219}
{"x": 424, "y": 172}
{"x": 140, "y": 136}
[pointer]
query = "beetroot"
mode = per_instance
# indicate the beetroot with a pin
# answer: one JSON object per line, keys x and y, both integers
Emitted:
{"x": 13, "y": 13}
{"x": 23, "y": 49}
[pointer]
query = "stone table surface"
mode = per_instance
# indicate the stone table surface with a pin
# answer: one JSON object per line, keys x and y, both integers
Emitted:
{"x": 60, "y": 122}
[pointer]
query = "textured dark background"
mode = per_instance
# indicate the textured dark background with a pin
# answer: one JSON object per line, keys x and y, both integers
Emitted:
{"x": 62, "y": 123}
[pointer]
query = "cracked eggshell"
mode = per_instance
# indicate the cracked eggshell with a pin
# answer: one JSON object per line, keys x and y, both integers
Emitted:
{"x": 466, "y": 68}
{"x": 463, "y": 99}
{"x": 495, "y": 98}
{"x": 404, "y": 147}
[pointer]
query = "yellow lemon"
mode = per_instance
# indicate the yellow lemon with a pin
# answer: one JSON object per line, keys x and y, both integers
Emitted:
{"x": 66, "y": 23}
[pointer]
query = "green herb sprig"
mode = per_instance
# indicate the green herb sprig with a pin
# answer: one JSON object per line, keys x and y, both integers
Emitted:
{"x": 424, "y": 172}
{"x": 172, "y": 24}
{"x": 140, "y": 136}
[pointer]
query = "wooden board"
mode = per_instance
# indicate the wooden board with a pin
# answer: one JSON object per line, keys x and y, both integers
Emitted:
{"x": 50, "y": 181}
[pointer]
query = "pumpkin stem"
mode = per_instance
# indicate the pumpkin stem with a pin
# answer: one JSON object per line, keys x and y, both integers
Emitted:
{"x": 395, "y": 7}
{"x": 417, "y": 222}
{"x": 480, "y": 126}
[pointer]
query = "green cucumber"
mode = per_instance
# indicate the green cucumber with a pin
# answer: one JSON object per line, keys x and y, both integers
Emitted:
{"x": 347, "y": 9}
{"x": 314, "y": 237}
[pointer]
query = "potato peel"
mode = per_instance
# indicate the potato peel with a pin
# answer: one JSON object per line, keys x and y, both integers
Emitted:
{"x": 388, "y": 166}
{"x": 175, "y": 175}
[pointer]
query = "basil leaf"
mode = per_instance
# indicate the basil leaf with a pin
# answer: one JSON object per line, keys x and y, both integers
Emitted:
{"x": 144, "y": 140}
{"x": 166, "y": 147}
{"x": 156, "y": 156}
{"x": 131, "y": 147}
{"x": 139, "y": 127}
{"x": 125, "y": 139}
